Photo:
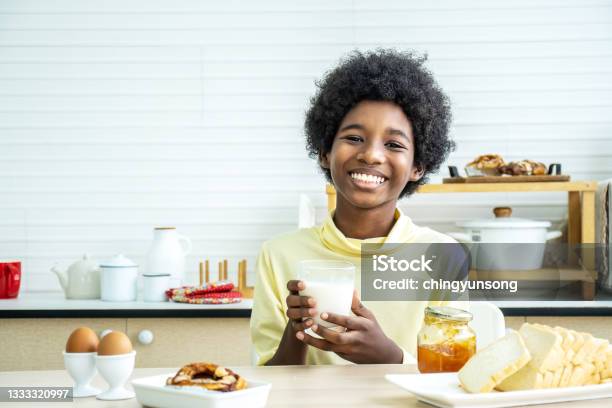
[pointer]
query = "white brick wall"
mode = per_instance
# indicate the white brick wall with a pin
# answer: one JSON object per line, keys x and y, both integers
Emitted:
{"x": 118, "y": 116}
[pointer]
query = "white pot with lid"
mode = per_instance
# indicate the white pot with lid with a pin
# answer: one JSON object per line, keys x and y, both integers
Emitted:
{"x": 508, "y": 243}
{"x": 118, "y": 278}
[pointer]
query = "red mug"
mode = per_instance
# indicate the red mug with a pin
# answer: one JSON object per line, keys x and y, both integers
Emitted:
{"x": 10, "y": 279}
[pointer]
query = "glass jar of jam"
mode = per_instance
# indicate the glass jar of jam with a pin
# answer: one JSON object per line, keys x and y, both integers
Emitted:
{"x": 445, "y": 342}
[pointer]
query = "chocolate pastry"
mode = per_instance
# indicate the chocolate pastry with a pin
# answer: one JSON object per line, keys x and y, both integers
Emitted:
{"x": 523, "y": 168}
{"x": 209, "y": 376}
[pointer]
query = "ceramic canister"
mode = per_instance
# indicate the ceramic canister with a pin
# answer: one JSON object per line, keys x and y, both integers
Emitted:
{"x": 118, "y": 278}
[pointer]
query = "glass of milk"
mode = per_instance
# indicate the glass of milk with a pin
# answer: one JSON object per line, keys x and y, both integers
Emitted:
{"x": 331, "y": 284}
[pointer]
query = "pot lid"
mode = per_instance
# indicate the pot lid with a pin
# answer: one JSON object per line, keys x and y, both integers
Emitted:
{"x": 503, "y": 223}
{"x": 503, "y": 219}
{"x": 119, "y": 261}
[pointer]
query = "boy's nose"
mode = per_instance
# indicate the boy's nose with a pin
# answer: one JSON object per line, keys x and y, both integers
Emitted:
{"x": 371, "y": 153}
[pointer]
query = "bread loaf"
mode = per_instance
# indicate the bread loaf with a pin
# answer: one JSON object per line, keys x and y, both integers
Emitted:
{"x": 557, "y": 357}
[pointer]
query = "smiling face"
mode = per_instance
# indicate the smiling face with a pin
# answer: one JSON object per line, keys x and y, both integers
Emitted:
{"x": 372, "y": 156}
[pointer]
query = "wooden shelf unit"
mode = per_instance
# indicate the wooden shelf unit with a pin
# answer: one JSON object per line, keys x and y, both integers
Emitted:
{"x": 580, "y": 210}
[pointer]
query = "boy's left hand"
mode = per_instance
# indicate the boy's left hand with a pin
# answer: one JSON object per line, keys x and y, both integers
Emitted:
{"x": 363, "y": 342}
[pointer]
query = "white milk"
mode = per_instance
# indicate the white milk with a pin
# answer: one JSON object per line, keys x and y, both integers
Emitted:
{"x": 331, "y": 297}
{"x": 331, "y": 284}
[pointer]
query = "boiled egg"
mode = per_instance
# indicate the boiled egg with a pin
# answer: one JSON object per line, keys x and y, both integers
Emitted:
{"x": 82, "y": 340}
{"x": 114, "y": 343}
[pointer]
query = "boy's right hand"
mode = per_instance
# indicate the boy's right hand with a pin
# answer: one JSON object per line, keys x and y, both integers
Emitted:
{"x": 300, "y": 309}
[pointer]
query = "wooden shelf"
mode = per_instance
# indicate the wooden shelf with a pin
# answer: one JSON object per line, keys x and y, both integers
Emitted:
{"x": 585, "y": 278}
{"x": 543, "y": 274}
{"x": 580, "y": 200}
{"x": 509, "y": 187}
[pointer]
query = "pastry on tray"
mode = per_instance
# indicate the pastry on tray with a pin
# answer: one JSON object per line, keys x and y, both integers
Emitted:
{"x": 209, "y": 376}
{"x": 485, "y": 165}
{"x": 523, "y": 168}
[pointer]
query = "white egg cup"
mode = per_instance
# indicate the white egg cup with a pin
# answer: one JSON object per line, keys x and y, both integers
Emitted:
{"x": 82, "y": 369}
{"x": 116, "y": 370}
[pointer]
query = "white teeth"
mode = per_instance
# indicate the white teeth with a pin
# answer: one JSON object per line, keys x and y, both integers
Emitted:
{"x": 368, "y": 178}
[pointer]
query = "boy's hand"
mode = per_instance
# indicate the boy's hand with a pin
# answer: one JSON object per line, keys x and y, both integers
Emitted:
{"x": 363, "y": 342}
{"x": 299, "y": 307}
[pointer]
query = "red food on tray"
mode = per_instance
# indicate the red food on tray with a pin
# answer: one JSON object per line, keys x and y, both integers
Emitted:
{"x": 211, "y": 293}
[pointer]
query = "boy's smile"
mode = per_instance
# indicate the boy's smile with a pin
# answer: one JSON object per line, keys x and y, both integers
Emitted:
{"x": 372, "y": 156}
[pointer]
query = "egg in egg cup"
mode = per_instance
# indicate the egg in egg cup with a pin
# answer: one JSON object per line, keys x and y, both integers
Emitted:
{"x": 79, "y": 360}
{"x": 115, "y": 362}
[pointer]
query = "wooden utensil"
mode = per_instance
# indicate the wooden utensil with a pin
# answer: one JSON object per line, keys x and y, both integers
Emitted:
{"x": 204, "y": 271}
{"x": 247, "y": 291}
{"x": 241, "y": 276}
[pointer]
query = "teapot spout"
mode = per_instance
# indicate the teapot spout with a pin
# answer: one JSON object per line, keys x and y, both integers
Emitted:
{"x": 62, "y": 276}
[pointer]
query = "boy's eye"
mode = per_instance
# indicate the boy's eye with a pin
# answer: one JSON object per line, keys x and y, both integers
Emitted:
{"x": 353, "y": 138}
{"x": 394, "y": 145}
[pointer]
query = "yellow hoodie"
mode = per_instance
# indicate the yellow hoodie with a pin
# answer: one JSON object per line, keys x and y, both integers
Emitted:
{"x": 277, "y": 264}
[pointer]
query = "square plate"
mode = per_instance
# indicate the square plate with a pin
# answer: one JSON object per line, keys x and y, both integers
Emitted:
{"x": 153, "y": 392}
{"x": 443, "y": 390}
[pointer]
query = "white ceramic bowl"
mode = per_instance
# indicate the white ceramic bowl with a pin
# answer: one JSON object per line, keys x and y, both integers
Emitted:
{"x": 82, "y": 369}
{"x": 116, "y": 370}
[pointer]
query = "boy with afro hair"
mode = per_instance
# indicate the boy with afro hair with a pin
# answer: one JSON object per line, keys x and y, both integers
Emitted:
{"x": 378, "y": 125}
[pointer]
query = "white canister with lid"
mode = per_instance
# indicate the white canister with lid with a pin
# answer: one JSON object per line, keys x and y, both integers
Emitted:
{"x": 118, "y": 278}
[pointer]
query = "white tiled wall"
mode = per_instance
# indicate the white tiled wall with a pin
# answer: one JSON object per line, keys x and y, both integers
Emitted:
{"x": 118, "y": 116}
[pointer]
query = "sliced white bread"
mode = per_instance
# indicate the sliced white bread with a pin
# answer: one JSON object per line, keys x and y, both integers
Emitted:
{"x": 547, "y": 356}
{"x": 558, "y": 358}
{"x": 494, "y": 363}
{"x": 545, "y": 346}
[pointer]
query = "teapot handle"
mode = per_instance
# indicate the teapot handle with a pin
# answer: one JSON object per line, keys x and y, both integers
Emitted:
{"x": 186, "y": 244}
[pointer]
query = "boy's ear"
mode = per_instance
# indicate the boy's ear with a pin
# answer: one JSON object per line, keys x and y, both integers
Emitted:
{"x": 417, "y": 172}
{"x": 324, "y": 160}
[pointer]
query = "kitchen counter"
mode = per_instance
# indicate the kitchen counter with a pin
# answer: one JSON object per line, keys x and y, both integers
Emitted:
{"x": 601, "y": 306}
{"x": 53, "y": 304}
{"x": 295, "y": 386}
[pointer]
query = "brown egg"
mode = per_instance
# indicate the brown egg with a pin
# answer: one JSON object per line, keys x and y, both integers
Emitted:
{"x": 114, "y": 343}
{"x": 82, "y": 340}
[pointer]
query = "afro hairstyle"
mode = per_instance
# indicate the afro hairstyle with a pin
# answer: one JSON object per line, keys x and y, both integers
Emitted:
{"x": 382, "y": 75}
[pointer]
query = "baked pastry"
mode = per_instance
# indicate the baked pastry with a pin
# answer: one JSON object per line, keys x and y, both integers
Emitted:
{"x": 523, "y": 168}
{"x": 486, "y": 164}
{"x": 209, "y": 376}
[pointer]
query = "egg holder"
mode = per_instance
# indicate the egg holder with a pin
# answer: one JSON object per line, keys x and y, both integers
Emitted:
{"x": 82, "y": 368}
{"x": 115, "y": 370}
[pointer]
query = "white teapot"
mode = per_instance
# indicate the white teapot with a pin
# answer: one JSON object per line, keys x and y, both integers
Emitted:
{"x": 81, "y": 280}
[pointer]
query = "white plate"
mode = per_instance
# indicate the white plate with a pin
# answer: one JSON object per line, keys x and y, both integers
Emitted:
{"x": 153, "y": 392}
{"x": 443, "y": 390}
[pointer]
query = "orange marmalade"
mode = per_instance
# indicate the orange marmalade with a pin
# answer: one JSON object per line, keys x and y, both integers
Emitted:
{"x": 445, "y": 342}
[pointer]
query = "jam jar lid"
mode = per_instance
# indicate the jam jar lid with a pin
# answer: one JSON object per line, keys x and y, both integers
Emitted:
{"x": 448, "y": 313}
